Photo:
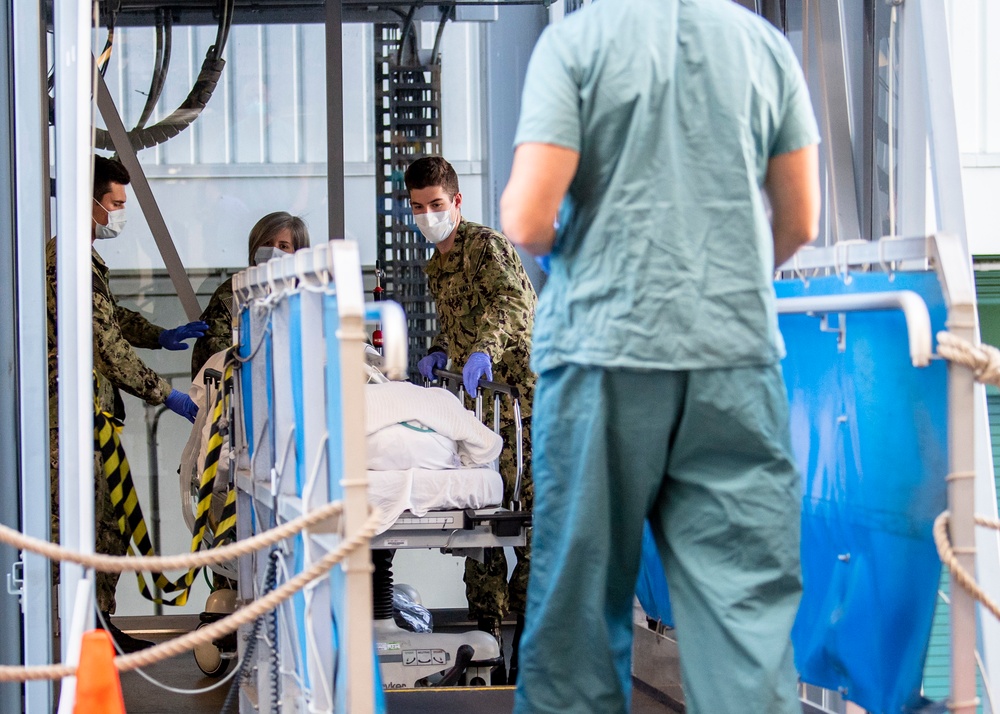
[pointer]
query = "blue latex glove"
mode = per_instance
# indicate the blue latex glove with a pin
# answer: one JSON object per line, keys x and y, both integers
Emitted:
{"x": 435, "y": 360}
{"x": 174, "y": 339}
{"x": 478, "y": 367}
{"x": 180, "y": 403}
{"x": 543, "y": 263}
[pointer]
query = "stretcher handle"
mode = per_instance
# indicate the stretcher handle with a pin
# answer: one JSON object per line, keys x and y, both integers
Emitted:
{"x": 444, "y": 374}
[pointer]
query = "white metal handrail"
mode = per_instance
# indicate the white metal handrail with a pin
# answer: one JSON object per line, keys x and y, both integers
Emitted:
{"x": 918, "y": 319}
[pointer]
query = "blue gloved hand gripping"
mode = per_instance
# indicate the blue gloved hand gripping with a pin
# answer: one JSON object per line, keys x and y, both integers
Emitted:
{"x": 174, "y": 339}
{"x": 435, "y": 360}
{"x": 180, "y": 403}
{"x": 478, "y": 367}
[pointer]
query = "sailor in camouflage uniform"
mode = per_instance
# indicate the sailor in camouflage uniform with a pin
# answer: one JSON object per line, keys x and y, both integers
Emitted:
{"x": 274, "y": 234}
{"x": 485, "y": 309}
{"x": 116, "y": 331}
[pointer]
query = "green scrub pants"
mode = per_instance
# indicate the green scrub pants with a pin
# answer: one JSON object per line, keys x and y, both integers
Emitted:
{"x": 705, "y": 456}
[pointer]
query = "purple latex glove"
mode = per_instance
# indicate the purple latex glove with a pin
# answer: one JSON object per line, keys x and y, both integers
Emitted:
{"x": 174, "y": 339}
{"x": 180, "y": 403}
{"x": 478, "y": 367}
{"x": 435, "y": 360}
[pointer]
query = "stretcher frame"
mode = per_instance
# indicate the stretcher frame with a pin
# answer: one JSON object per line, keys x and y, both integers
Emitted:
{"x": 466, "y": 532}
{"x": 406, "y": 659}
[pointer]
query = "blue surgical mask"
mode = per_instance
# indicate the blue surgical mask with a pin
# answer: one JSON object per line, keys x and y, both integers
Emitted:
{"x": 116, "y": 223}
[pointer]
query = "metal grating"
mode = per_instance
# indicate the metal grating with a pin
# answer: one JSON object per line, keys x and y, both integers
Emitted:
{"x": 407, "y": 127}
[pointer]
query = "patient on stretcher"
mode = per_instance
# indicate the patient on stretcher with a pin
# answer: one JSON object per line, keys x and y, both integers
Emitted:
{"x": 427, "y": 452}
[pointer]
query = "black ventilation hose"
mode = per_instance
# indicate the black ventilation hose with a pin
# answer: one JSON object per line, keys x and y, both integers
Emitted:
{"x": 270, "y": 580}
{"x": 161, "y": 65}
{"x": 382, "y": 584}
{"x": 180, "y": 119}
{"x": 271, "y": 624}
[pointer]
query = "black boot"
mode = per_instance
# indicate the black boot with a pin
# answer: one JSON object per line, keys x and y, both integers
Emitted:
{"x": 498, "y": 676}
{"x": 514, "y": 646}
{"x": 125, "y": 643}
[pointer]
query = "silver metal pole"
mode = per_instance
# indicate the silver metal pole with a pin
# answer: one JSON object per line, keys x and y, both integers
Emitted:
{"x": 10, "y": 511}
{"x": 946, "y": 167}
{"x": 836, "y": 112}
{"x": 335, "y": 117}
{"x": 74, "y": 173}
{"x": 31, "y": 188}
{"x": 911, "y": 182}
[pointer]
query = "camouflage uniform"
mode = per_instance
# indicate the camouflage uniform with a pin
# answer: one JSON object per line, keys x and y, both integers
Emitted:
{"x": 116, "y": 331}
{"x": 485, "y": 303}
{"x": 219, "y": 316}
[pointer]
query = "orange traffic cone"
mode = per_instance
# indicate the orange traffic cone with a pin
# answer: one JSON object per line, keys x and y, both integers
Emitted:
{"x": 98, "y": 688}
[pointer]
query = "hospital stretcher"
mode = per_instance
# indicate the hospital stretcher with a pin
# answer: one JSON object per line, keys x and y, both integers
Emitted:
{"x": 461, "y": 513}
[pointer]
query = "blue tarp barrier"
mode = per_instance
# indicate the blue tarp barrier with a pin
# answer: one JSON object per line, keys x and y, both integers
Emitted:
{"x": 870, "y": 436}
{"x": 869, "y": 433}
{"x": 651, "y": 587}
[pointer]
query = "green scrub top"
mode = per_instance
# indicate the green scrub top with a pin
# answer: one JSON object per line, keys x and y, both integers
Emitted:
{"x": 664, "y": 255}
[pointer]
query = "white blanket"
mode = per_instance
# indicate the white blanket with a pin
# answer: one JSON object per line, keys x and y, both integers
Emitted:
{"x": 409, "y": 446}
{"x": 423, "y": 490}
{"x": 438, "y": 409}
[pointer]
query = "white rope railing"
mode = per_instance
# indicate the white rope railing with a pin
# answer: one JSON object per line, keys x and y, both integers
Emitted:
{"x": 962, "y": 576}
{"x": 215, "y": 630}
{"x": 184, "y": 561}
{"x": 984, "y": 361}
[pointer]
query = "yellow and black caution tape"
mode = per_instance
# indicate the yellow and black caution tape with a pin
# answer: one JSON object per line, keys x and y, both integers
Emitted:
{"x": 131, "y": 523}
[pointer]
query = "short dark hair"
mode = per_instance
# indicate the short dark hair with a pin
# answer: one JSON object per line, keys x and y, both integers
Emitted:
{"x": 107, "y": 172}
{"x": 432, "y": 171}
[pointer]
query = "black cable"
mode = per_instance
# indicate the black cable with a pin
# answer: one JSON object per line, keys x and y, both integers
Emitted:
{"x": 181, "y": 118}
{"x": 229, "y": 24}
{"x": 226, "y": 9}
{"x": 168, "y": 45}
{"x": 435, "y": 54}
{"x": 103, "y": 68}
{"x": 270, "y": 581}
{"x": 151, "y": 96}
{"x": 112, "y": 21}
{"x": 161, "y": 77}
{"x": 407, "y": 26}
{"x": 274, "y": 675}
{"x": 216, "y": 49}
{"x": 192, "y": 106}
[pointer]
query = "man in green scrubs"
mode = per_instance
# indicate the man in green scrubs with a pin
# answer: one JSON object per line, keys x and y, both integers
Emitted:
{"x": 651, "y": 128}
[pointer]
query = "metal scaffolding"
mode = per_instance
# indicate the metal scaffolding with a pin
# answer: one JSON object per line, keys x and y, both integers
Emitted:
{"x": 407, "y": 127}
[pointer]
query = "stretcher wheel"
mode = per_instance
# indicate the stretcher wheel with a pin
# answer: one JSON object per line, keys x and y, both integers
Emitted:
{"x": 209, "y": 658}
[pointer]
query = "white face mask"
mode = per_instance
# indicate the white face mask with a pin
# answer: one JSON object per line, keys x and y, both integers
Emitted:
{"x": 435, "y": 227}
{"x": 116, "y": 222}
